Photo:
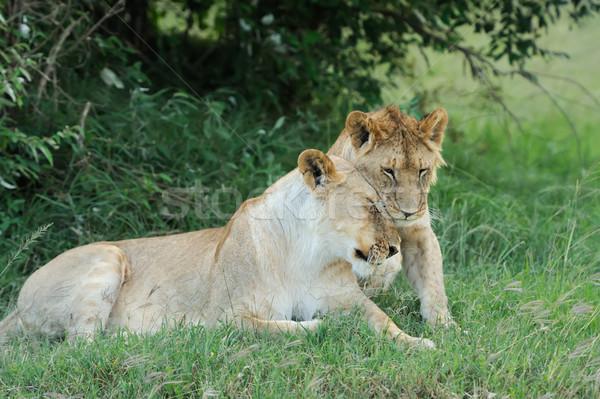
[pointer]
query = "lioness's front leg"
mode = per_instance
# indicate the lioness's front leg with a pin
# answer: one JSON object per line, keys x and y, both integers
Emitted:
{"x": 276, "y": 326}
{"x": 382, "y": 323}
{"x": 423, "y": 267}
{"x": 345, "y": 294}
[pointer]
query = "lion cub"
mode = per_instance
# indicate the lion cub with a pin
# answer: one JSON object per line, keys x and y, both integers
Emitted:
{"x": 275, "y": 262}
{"x": 399, "y": 156}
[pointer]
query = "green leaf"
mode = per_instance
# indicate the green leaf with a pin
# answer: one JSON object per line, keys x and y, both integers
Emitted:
{"x": 25, "y": 73}
{"x": 6, "y": 184}
{"x": 5, "y": 103}
{"x": 8, "y": 89}
{"x": 279, "y": 123}
{"x": 165, "y": 177}
{"x": 44, "y": 150}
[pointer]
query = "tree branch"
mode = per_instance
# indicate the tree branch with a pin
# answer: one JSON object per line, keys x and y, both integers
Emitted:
{"x": 50, "y": 64}
{"x": 478, "y": 63}
{"x": 112, "y": 11}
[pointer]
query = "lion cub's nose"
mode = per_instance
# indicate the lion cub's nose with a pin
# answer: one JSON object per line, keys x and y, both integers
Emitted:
{"x": 393, "y": 251}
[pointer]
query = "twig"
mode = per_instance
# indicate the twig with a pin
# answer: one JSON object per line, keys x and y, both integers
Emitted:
{"x": 50, "y": 17}
{"x": 55, "y": 91}
{"x": 60, "y": 89}
{"x": 467, "y": 52}
{"x": 473, "y": 57}
{"x": 496, "y": 97}
{"x": 84, "y": 115}
{"x": 50, "y": 64}
{"x": 112, "y": 11}
{"x": 564, "y": 113}
{"x": 574, "y": 82}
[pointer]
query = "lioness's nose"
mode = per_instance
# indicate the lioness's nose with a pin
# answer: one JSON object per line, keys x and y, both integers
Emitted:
{"x": 408, "y": 214}
{"x": 393, "y": 251}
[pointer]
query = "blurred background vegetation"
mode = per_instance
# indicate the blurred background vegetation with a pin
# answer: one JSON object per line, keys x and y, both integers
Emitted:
{"x": 106, "y": 106}
{"x": 121, "y": 119}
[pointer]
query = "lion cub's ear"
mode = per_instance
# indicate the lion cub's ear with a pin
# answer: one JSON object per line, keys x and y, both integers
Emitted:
{"x": 433, "y": 125}
{"x": 363, "y": 131}
{"x": 317, "y": 169}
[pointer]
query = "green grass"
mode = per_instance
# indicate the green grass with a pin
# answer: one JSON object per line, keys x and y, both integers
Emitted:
{"x": 519, "y": 225}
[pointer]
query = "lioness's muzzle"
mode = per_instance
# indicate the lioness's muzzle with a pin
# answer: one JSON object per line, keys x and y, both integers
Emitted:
{"x": 377, "y": 253}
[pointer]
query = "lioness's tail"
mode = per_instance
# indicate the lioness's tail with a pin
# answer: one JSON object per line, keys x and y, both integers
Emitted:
{"x": 10, "y": 326}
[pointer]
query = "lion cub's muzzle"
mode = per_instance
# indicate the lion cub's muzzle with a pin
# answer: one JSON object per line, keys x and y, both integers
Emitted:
{"x": 377, "y": 253}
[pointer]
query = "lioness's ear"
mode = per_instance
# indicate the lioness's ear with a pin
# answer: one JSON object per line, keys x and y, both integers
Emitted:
{"x": 433, "y": 125}
{"x": 316, "y": 168}
{"x": 363, "y": 130}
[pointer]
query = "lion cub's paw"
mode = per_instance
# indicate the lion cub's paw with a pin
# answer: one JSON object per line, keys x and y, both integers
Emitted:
{"x": 451, "y": 324}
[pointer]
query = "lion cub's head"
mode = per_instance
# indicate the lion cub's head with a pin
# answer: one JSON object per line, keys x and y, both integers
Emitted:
{"x": 352, "y": 221}
{"x": 397, "y": 154}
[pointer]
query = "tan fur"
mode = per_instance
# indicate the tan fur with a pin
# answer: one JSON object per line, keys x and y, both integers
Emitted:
{"x": 276, "y": 261}
{"x": 399, "y": 156}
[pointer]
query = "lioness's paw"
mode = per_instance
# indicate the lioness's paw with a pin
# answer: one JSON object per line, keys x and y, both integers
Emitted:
{"x": 310, "y": 324}
{"x": 416, "y": 343}
{"x": 425, "y": 343}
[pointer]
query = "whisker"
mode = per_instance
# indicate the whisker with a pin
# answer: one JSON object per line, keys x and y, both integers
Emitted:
{"x": 370, "y": 257}
{"x": 434, "y": 216}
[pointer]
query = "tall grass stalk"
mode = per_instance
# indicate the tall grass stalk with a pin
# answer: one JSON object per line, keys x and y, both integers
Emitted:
{"x": 25, "y": 244}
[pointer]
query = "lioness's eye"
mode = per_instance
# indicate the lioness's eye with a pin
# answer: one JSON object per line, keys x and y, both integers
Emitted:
{"x": 374, "y": 205}
{"x": 389, "y": 172}
{"x": 423, "y": 172}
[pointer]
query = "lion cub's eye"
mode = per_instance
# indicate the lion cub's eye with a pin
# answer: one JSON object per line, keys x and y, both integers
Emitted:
{"x": 389, "y": 172}
{"x": 422, "y": 173}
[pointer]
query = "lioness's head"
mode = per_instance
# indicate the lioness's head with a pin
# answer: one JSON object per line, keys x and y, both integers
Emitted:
{"x": 354, "y": 221}
{"x": 398, "y": 155}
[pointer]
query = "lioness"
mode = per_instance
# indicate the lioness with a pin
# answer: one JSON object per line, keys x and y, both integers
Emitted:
{"x": 399, "y": 156}
{"x": 275, "y": 262}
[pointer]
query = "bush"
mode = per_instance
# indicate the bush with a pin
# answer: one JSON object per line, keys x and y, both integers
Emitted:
{"x": 287, "y": 54}
{"x": 23, "y": 155}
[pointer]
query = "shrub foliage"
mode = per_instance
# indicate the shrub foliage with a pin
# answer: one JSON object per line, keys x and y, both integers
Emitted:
{"x": 105, "y": 105}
